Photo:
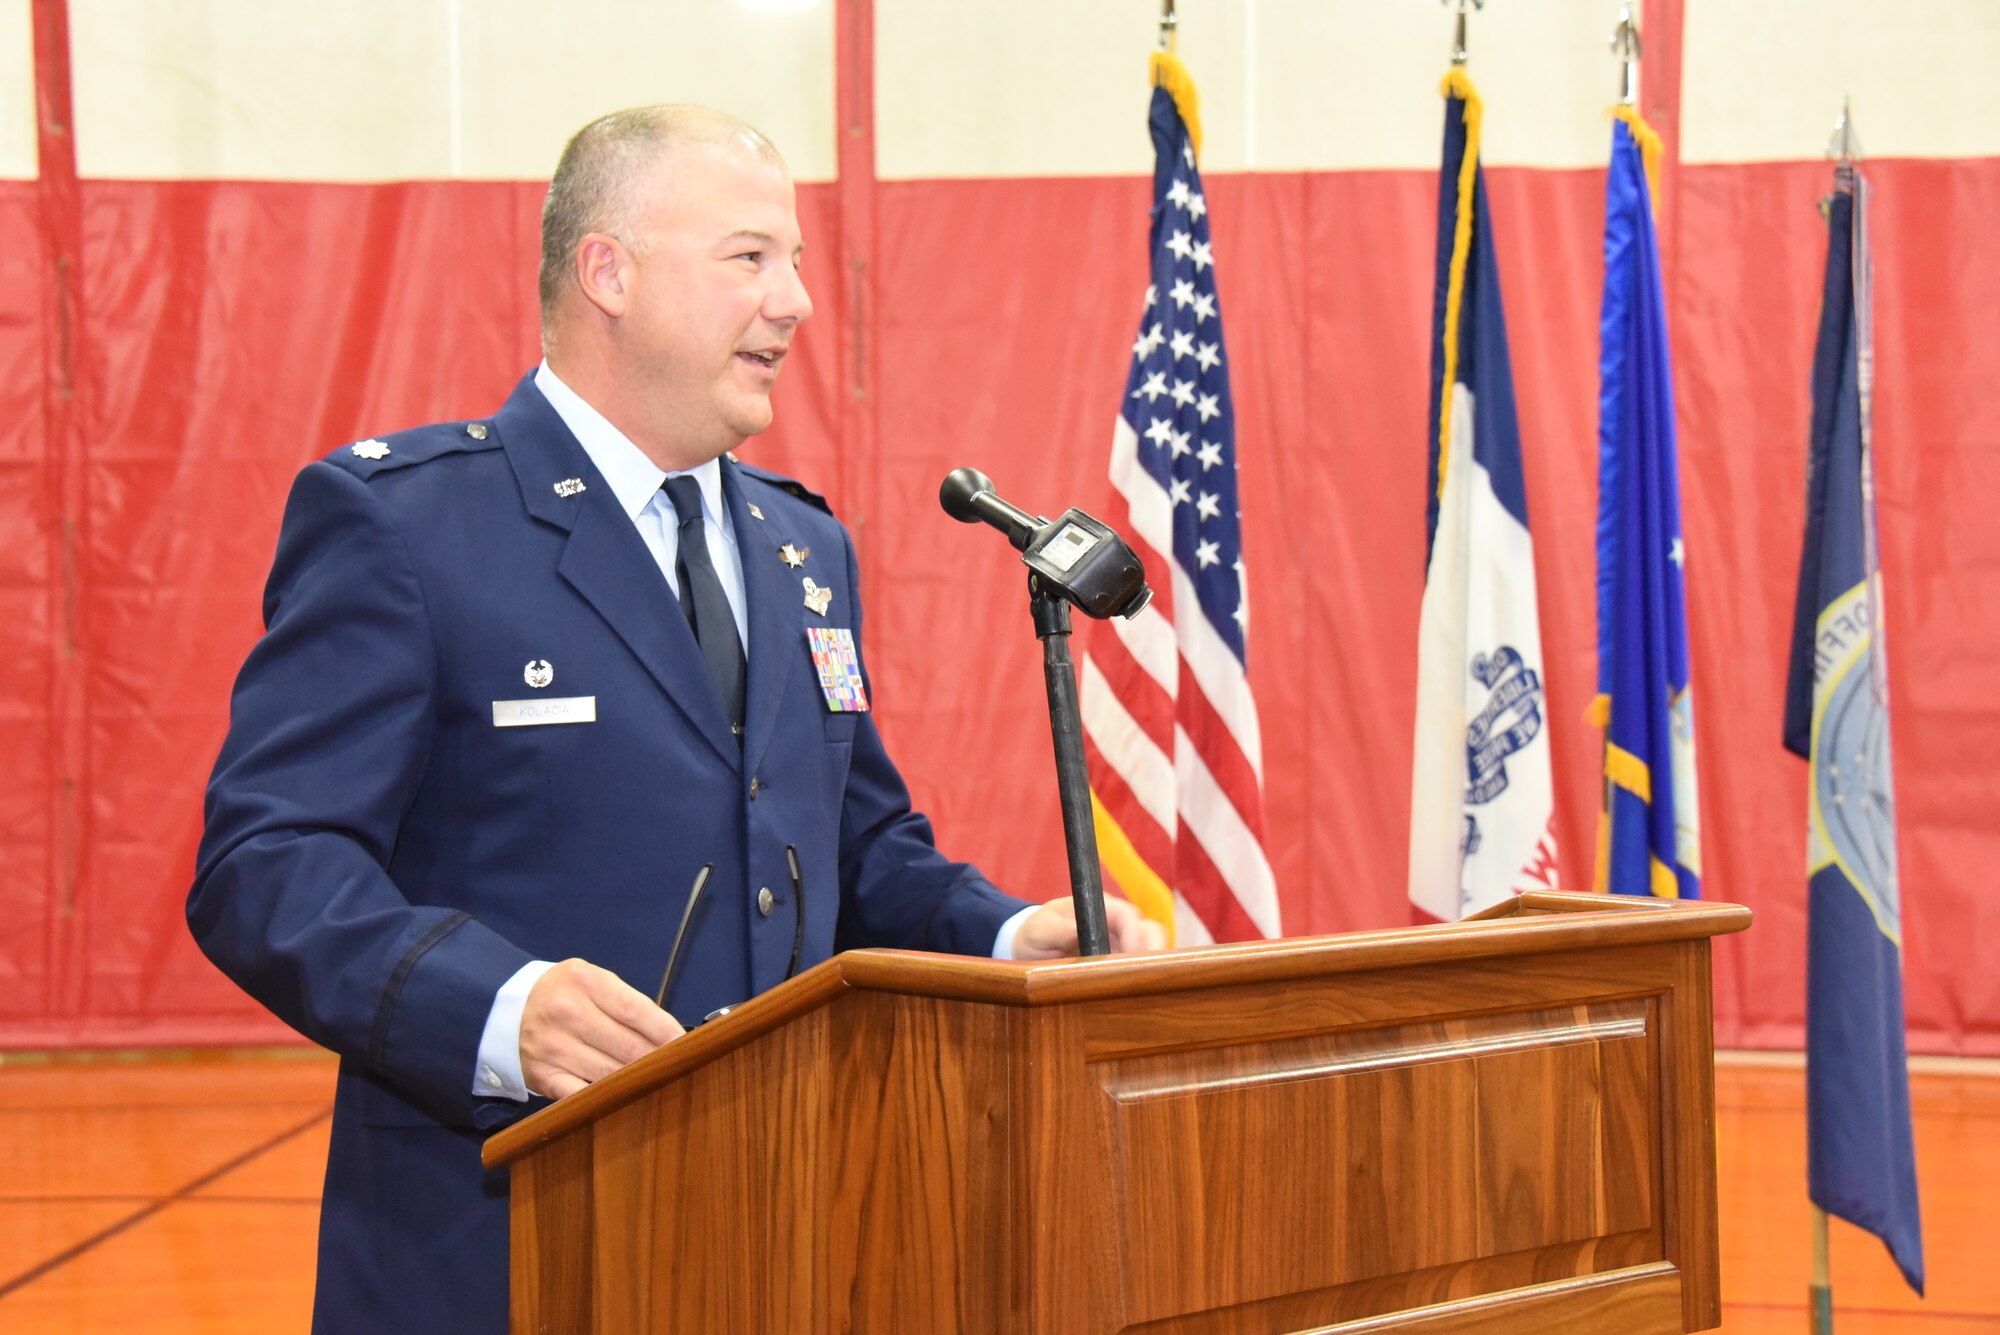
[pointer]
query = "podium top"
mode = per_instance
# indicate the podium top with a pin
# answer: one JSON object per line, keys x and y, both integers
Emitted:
{"x": 1538, "y": 922}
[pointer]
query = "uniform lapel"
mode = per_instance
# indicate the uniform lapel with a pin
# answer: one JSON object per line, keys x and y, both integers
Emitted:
{"x": 772, "y": 591}
{"x": 606, "y": 561}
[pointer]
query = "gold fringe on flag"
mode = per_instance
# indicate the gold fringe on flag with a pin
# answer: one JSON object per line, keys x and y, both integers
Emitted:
{"x": 1170, "y": 74}
{"x": 1649, "y": 146}
{"x": 1141, "y": 884}
{"x": 1457, "y": 84}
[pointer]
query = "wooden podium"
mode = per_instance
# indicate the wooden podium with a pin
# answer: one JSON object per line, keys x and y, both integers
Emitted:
{"x": 1500, "y": 1125}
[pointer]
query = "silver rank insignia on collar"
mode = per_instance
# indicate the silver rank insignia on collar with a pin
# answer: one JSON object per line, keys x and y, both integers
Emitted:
{"x": 817, "y": 598}
{"x": 569, "y": 486}
{"x": 794, "y": 556}
{"x": 538, "y": 673}
{"x": 756, "y": 514}
{"x": 370, "y": 449}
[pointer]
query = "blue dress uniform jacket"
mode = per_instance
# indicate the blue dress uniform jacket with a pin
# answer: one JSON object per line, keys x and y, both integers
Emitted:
{"x": 379, "y": 857}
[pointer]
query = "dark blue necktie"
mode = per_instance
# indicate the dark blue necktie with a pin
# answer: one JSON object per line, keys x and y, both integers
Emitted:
{"x": 705, "y": 604}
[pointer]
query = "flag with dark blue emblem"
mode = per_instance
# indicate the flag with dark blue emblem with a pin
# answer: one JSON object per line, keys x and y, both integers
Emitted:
{"x": 1170, "y": 727}
{"x": 1648, "y": 839}
{"x": 1482, "y": 800}
{"x": 1860, "y": 1160}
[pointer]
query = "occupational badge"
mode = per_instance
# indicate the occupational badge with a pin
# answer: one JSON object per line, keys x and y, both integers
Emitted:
{"x": 370, "y": 449}
{"x": 817, "y": 598}
{"x": 756, "y": 514}
{"x": 794, "y": 556}
{"x": 839, "y": 669}
{"x": 538, "y": 673}
{"x": 569, "y": 486}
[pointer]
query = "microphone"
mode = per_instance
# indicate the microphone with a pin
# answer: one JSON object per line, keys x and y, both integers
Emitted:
{"x": 968, "y": 496}
{"x": 1074, "y": 558}
{"x": 687, "y": 916}
{"x": 799, "y": 910}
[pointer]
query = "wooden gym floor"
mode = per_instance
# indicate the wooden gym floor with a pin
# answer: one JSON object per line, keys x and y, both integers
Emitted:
{"x": 179, "y": 1193}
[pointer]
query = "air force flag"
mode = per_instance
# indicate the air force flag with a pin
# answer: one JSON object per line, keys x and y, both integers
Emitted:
{"x": 1481, "y": 796}
{"x": 1649, "y": 839}
{"x": 1860, "y": 1161}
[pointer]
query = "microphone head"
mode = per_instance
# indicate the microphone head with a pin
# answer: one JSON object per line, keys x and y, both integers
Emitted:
{"x": 960, "y": 486}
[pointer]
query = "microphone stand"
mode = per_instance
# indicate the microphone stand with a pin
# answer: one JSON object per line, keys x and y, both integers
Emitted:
{"x": 1086, "y": 884}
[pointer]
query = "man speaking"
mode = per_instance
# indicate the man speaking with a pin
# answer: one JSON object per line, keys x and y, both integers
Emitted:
{"x": 525, "y": 677}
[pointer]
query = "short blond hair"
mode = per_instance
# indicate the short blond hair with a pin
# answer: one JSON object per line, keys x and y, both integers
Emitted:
{"x": 592, "y": 187}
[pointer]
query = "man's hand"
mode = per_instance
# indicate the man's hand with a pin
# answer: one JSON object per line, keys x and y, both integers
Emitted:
{"x": 1050, "y": 932}
{"x": 581, "y": 1023}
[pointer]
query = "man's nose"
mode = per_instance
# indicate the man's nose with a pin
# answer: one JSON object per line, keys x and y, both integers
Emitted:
{"x": 790, "y": 301}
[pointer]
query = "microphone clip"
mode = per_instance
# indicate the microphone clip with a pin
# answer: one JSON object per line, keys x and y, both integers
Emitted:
{"x": 1075, "y": 558}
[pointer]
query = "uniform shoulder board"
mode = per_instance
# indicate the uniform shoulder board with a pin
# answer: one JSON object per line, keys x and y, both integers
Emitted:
{"x": 365, "y": 458}
{"x": 786, "y": 484}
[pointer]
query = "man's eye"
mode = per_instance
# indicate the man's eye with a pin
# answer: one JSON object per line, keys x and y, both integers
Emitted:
{"x": 754, "y": 256}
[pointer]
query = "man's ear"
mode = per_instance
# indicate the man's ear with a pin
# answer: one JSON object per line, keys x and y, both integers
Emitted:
{"x": 602, "y": 263}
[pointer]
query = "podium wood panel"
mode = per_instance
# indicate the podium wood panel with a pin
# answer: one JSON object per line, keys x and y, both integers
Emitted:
{"x": 1493, "y": 1126}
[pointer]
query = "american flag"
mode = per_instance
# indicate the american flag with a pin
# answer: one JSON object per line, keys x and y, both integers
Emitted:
{"x": 1176, "y": 761}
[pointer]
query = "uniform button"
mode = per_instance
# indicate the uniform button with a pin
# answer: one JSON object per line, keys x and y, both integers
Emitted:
{"x": 476, "y": 430}
{"x": 764, "y": 901}
{"x": 492, "y": 1078}
{"x": 756, "y": 786}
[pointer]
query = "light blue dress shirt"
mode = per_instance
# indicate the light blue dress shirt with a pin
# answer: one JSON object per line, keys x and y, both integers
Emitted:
{"x": 636, "y": 482}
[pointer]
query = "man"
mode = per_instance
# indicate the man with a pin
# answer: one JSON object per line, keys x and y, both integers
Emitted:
{"x": 523, "y": 679}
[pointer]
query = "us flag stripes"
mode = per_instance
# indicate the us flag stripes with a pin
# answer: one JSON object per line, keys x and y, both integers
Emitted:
{"x": 1176, "y": 763}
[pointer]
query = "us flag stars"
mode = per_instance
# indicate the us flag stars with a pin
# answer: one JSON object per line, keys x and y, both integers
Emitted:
{"x": 1177, "y": 397}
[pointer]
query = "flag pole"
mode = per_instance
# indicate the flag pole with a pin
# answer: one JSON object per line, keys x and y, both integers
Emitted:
{"x": 1458, "y": 29}
{"x": 1628, "y": 47}
{"x": 1843, "y": 148}
{"x": 1822, "y": 1281}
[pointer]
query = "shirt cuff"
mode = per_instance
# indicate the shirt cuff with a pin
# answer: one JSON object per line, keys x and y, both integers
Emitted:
{"x": 1003, "y": 941}
{"x": 498, "y": 1073}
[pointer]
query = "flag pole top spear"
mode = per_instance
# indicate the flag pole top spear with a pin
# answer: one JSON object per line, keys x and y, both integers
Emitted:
{"x": 1458, "y": 26}
{"x": 1844, "y": 150}
{"x": 1169, "y": 23}
{"x": 1627, "y": 46}
{"x": 1845, "y": 146}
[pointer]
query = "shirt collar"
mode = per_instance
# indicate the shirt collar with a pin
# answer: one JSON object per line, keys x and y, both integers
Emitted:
{"x": 634, "y": 479}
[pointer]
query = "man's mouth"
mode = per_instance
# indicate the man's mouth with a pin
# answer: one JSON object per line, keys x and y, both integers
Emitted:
{"x": 767, "y": 358}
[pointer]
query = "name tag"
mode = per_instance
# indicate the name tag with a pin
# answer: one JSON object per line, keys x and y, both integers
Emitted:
{"x": 533, "y": 713}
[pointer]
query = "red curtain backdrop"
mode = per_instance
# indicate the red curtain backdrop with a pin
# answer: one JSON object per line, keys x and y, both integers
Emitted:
{"x": 227, "y": 332}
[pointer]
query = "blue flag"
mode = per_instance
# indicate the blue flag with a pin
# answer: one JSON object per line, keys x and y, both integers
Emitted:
{"x": 1481, "y": 796}
{"x": 1861, "y": 1163}
{"x": 1648, "y": 842}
